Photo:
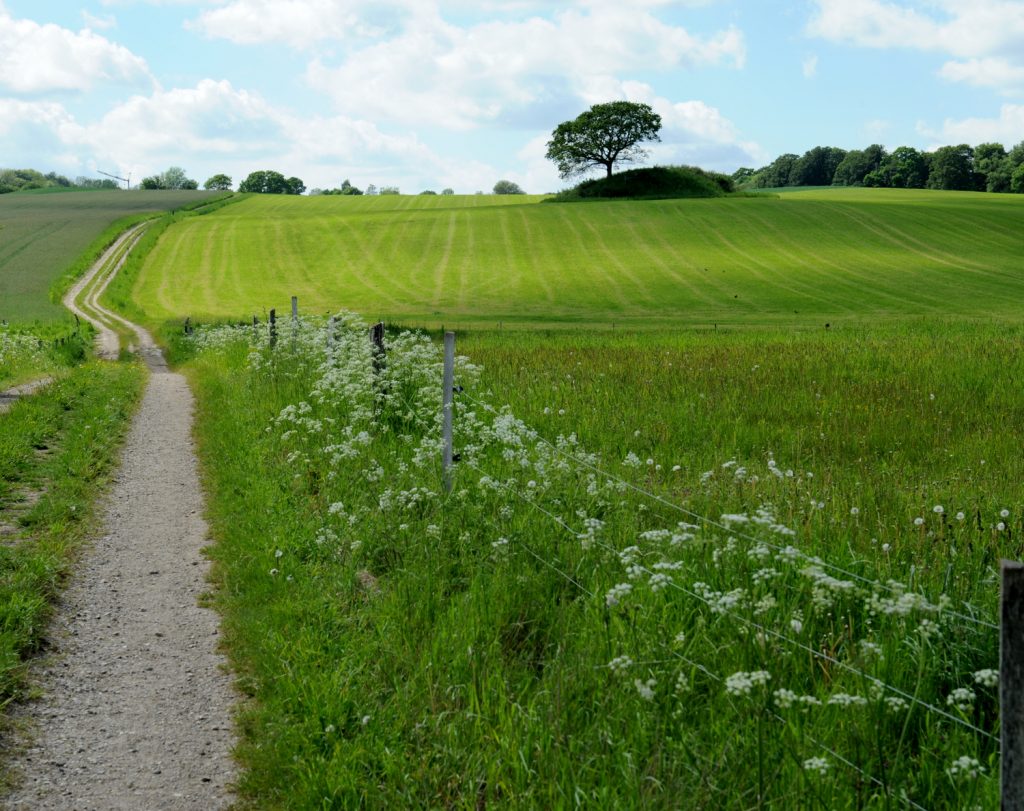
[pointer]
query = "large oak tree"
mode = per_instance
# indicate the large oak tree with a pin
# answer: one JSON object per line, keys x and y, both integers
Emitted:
{"x": 604, "y": 135}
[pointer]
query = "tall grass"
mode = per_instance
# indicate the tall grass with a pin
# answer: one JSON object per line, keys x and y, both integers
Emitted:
{"x": 549, "y": 634}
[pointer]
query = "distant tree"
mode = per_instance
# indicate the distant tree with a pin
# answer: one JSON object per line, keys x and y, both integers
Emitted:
{"x": 507, "y": 187}
{"x": 857, "y": 164}
{"x": 152, "y": 183}
{"x": 428, "y": 192}
{"x": 604, "y": 135}
{"x": 447, "y": 191}
{"x": 817, "y": 166}
{"x": 743, "y": 176}
{"x": 348, "y": 188}
{"x": 371, "y": 190}
{"x": 295, "y": 186}
{"x": 219, "y": 182}
{"x": 992, "y": 168}
{"x": 389, "y": 190}
{"x": 905, "y": 168}
{"x": 776, "y": 174}
{"x": 265, "y": 181}
{"x": 1016, "y": 155}
{"x": 176, "y": 178}
{"x": 1017, "y": 180}
{"x": 952, "y": 168}
{"x": 58, "y": 180}
{"x": 96, "y": 183}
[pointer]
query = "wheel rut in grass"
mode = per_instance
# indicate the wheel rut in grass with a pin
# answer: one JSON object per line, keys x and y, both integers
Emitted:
{"x": 135, "y": 710}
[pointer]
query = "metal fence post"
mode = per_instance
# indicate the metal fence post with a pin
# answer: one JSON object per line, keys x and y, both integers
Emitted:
{"x": 447, "y": 398}
{"x": 1011, "y": 686}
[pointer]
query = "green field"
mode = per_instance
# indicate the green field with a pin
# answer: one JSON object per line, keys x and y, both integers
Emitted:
{"x": 41, "y": 235}
{"x": 802, "y": 259}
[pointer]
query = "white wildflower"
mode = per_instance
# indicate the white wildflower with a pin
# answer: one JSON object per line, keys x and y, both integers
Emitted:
{"x": 818, "y": 765}
{"x": 965, "y": 767}
{"x": 742, "y": 683}
{"x": 987, "y": 677}
{"x": 645, "y": 688}
{"x": 962, "y": 698}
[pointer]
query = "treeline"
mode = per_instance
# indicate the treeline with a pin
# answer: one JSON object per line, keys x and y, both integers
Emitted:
{"x": 986, "y": 167}
{"x": 12, "y": 180}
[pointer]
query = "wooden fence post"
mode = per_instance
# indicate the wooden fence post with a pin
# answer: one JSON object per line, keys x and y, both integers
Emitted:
{"x": 447, "y": 398}
{"x": 273, "y": 327}
{"x": 1011, "y": 685}
{"x": 377, "y": 336}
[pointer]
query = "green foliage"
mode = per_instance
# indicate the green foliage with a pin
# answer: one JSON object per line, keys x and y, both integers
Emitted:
{"x": 952, "y": 168}
{"x": 447, "y": 192}
{"x": 659, "y": 182}
{"x": 777, "y": 174}
{"x": 604, "y": 135}
{"x": 268, "y": 181}
{"x": 507, "y": 187}
{"x": 817, "y": 167}
{"x": 219, "y": 182}
{"x": 13, "y": 180}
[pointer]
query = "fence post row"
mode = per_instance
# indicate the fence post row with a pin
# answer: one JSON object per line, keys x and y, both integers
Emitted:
{"x": 1011, "y": 686}
{"x": 447, "y": 397}
{"x": 273, "y": 327}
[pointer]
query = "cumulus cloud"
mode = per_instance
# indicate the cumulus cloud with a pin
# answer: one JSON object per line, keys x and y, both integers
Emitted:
{"x": 38, "y": 58}
{"x": 809, "y": 67}
{"x": 985, "y": 36}
{"x": 216, "y": 127}
{"x": 1007, "y": 128}
{"x": 462, "y": 77}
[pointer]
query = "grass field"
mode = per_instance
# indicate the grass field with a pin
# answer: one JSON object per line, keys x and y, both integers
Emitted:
{"x": 801, "y": 259}
{"x": 41, "y": 235}
{"x": 548, "y": 637}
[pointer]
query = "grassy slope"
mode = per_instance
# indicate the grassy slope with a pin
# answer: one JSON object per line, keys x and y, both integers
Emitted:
{"x": 803, "y": 259}
{"x": 42, "y": 234}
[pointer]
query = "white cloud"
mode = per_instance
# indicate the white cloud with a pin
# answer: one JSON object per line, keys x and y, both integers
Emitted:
{"x": 214, "y": 127}
{"x": 459, "y": 78}
{"x": 38, "y": 58}
{"x": 992, "y": 72}
{"x": 99, "y": 23}
{"x": 809, "y": 66}
{"x": 298, "y": 23}
{"x": 1007, "y": 129}
{"x": 986, "y": 36}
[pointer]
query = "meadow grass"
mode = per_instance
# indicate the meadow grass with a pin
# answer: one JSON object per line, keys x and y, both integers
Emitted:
{"x": 792, "y": 260}
{"x": 782, "y": 594}
{"x": 47, "y": 237}
{"x": 56, "y": 450}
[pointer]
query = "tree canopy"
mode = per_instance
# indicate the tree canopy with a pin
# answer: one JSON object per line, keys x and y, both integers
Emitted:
{"x": 267, "y": 181}
{"x": 173, "y": 178}
{"x": 507, "y": 187}
{"x": 987, "y": 167}
{"x": 604, "y": 135}
{"x": 219, "y": 182}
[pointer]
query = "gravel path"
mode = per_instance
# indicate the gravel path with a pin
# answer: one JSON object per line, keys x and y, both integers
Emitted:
{"x": 11, "y": 395}
{"x": 135, "y": 712}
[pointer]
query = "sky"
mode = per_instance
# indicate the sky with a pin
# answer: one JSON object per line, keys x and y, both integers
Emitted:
{"x": 434, "y": 94}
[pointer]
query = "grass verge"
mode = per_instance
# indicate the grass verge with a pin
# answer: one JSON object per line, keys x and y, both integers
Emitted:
{"x": 56, "y": 449}
{"x": 814, "y": 632}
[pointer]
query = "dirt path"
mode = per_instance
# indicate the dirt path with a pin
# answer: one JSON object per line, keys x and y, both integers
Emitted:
{"x": 15, "y": 393}
{"x": 135, "y": 712}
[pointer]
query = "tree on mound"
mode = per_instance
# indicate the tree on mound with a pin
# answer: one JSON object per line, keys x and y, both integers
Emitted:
{"x": 604, "y": 135}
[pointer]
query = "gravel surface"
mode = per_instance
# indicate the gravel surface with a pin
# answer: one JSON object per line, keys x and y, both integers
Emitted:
{"x": 135, "y": 712}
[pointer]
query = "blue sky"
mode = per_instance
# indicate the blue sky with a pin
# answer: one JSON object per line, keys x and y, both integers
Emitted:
{"x": 427, "y": 94}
